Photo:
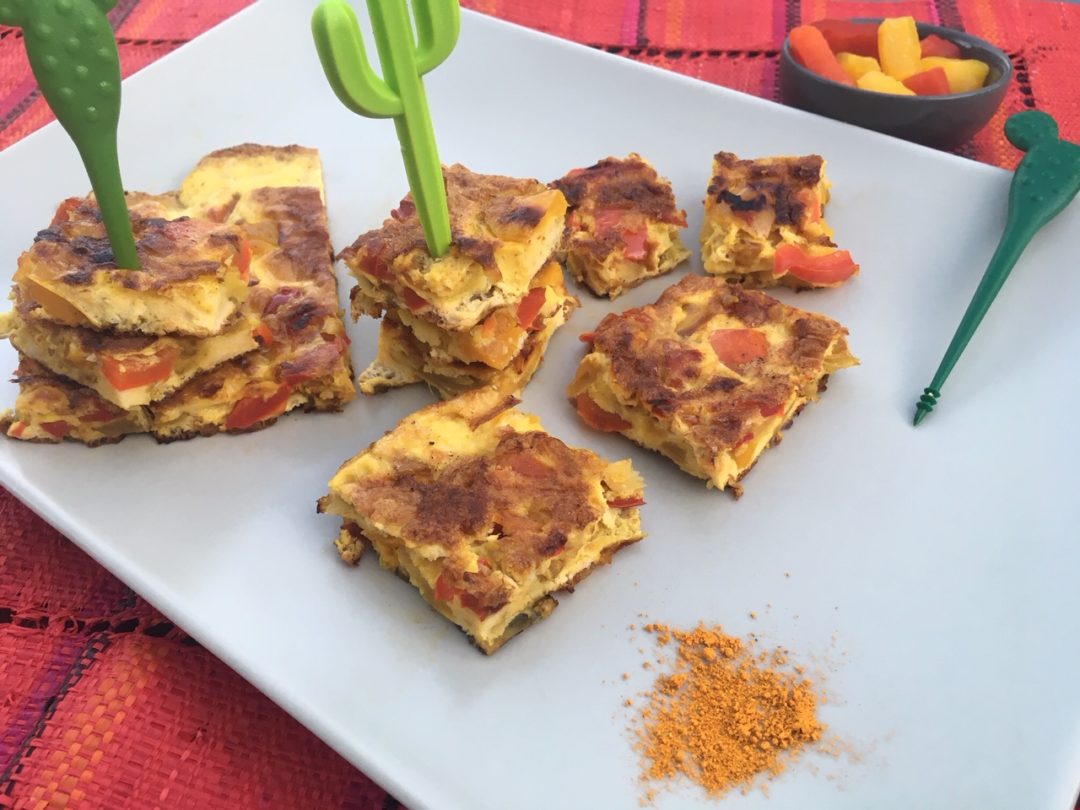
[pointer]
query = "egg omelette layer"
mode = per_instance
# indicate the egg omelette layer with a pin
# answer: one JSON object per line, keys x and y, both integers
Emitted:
{"x": 126, "y": 369}
{"x": 272, "y": 199}
{"x": 753, "y": 207}
{"x": 190, "y": 281}
{"x": 623, "y": 226}
{"x": 708, "y": 376}
{"x": 483, "y": 512}
{"x": 503, "y": 231}
{"x": 504, "y": 350}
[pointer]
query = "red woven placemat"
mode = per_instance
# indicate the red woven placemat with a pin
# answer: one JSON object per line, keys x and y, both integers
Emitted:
{"x": 103, "y": 703}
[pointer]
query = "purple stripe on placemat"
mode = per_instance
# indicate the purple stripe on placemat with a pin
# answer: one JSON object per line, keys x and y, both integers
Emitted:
{"x": 785, "y": 16}
{"x": 13, "y": 101}
{"x": 22, "y": 721}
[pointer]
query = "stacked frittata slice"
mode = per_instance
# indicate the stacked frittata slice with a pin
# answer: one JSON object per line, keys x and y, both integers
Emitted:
{"x": 231, "y": 320}
{"x": 483, "y": 313}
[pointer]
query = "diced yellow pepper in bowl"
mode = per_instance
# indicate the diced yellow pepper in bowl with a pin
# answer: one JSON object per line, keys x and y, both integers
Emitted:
{"x": 964, "y": 75}
{"x": 899, "y": 48}
{"x": 880, "y": 83}
{"x": 855, "y": 66}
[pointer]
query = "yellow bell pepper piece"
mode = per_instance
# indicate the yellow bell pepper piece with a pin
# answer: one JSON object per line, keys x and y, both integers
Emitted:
{"x": 880, "y": 83}
{"x": 898, "y": 47}
{"x": 855, "y": 65}
{"x": 964, "y": 75}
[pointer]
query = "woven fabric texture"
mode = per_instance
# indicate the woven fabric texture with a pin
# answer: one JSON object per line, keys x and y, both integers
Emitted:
{"x": 103, "y": 702}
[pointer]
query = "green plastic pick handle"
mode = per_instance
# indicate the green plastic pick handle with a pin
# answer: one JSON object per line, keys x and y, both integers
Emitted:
{"x": 1047, "y": 179}
{"x": 72, "y": 51}
{"x": 399, "y": 94}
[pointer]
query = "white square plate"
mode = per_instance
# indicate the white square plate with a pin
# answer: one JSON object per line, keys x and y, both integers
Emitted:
{"x": 937, "y": 565}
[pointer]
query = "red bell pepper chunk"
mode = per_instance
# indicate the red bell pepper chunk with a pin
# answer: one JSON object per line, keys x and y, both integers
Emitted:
{"x": 262, "y": 334}
{"x": 63, "y": 211}
{"x": 530, "y": 307}
{"x": 932, "y": 82}
{"x": 444, "y": 591}
{"x": 634, "y": 239}
{"x": 737, "y": 347}
{"x": 832, "y": 268}
{"x": 138, "y": 370}
{"x": 59, "y": 428}
{"x": 627, "y": 502}
{"x": 933, "y": 45}
{"x": 413, "y": 301}
{"x": 637, "y": 246}
{"x": 529, "y": 466}
{"x": 608, "y": 219}
{"x": 846, "y": 36}
{"x": 251, "y": 410}
{"x": 18, "y": 429}
{"x": 472, "y": 603}
{"x": 243, "y": 259}
{"x": 102, "y": 413}
{"x": 771, "y": 410}
{"x": 375, "y": 267}
{"x": 810, "y": 48}
{"x": 597, "y": 418}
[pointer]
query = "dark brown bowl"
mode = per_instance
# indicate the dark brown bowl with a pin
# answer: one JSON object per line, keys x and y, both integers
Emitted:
{"x": 941, "y": 121}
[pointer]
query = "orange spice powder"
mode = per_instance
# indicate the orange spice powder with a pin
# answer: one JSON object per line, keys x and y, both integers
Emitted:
{"x": 723, "y": 715}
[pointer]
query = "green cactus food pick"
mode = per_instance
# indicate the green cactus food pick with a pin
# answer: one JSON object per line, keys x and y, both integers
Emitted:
{"x": 1046, "y": 180}
{"x": 72, "y": 51}
{"x": 399, "y": 94}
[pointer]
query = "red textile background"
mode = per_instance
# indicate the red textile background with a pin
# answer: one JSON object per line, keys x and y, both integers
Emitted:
{"x": 103, "y": 703}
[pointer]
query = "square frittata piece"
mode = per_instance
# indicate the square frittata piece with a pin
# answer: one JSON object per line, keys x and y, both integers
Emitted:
{"x": 50, "y": 408}
{"x": 503, "y": 231}
{"x": 298, "y": 357}
{"x": 127, "y": 370}
{"x": 504, "y": 350}
{"x": 708, "y": 376}
{"x": 483, "y": 512}
{"x": 193, "y": 276}
{"x": 623, "y": 226}
{"x": 764, "y": 224}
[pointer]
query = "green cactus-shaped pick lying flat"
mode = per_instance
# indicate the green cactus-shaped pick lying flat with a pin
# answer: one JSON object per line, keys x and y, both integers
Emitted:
{"x": 399, "y": 94}
{"x": 1047, "y": 180}
{"x": 72, "y": 51}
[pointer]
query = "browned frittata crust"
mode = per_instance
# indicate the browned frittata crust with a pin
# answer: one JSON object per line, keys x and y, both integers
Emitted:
{"x": 171, "y": 251}
{"x": 492, "y": 200}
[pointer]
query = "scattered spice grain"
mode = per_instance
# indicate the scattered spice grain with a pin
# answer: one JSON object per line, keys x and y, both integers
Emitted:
{"x": 724, "y": 715}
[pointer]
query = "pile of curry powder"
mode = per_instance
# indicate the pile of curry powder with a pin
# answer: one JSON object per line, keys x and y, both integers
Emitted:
{"x": 723, "y": 714}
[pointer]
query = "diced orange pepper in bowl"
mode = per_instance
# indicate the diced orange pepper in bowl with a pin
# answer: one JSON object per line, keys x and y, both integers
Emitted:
{"x": 813, "y": 52}
{"x": 855, "y": 65}
{"x": 880, "y": 83}
{"x": 933, "y": 45}
{"x": 859, "y": 38}
{"x": 899, "y": 49}
{"x": 964, "y": 75}
{"x": 932, "y": 82}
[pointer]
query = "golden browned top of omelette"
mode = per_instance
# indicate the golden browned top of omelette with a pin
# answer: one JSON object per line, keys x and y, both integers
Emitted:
{"x": 614, "y": 197}
{"x": 782, "y": 185}
{"x": 715, "y": 357}
{"x": 627, "y": 183}
{"x": 503, "y": 229}
{"x": 192, "y": 276}
{"x": 480, "y": 486}
{"x": 171, "y": 250}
